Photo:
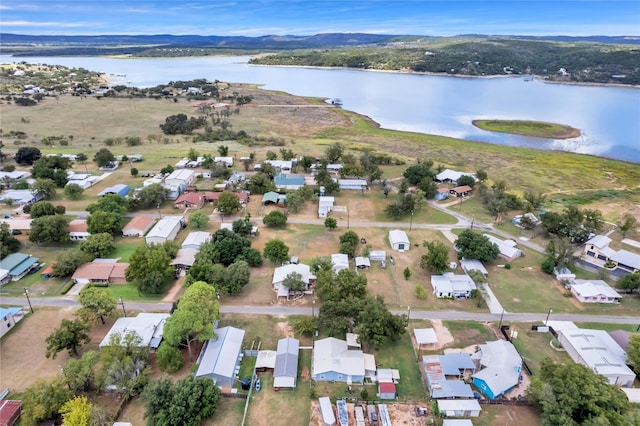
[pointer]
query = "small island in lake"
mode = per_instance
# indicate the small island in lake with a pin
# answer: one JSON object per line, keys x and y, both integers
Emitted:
{"x": 536, "y": 129}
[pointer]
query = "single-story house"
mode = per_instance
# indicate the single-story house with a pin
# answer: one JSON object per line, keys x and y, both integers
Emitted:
{"x": 78, "y": 230}
{"x": 280, "y": 273}
{"x": 451, "y": 285}
{"x": 451, "y": 176}
{"x": 508, "y": 248}
{"x": 212, "y": 196}
{"x": 196, "y": 239}
{"x": 185, "y": 258}
{"x": 626, "y": 260}
{"x": 220, "y": 357}
{"x": 325, "y": 205}
{"x": 18, "y": 224}
{"x": 469, "y": 265}
{"x": 273, "y": 197}
{"x": 399, "y": 240}
{"x": 18, "y": 265}
{"x": 20, "y": 197}
{"x": 148, "y": 326}
{"x": 280, "y": 165}
{"x": 456, "y": 364}
{"x": 362, "y": 262}
{"x": 457, "y": 422}
{"x": 119, "y": 189}
{"x": 459, "y": 407}
{"x": 517, "y": 220}
{"x": 334, "y": 361}
{"x": 236, "y": 178}
{"x": 288, "y": 181}
{"x": 355, "y": 184}
{"x": 442, "y": 194}
{"x": 227, "y": 161}
{"x": 331, "y": 168}
{"x": 10, "y": 410}
{"x": 83, "y": 180}
{"x": 138, "y": 226}
{"x": 192, "y": 200}
{"x": 439, "y": 386}
{"x": 339, "y": 261}
{"x": 594, "y": 291}
{"x": 460, "y": 191}
{"x": 326, "y": 411}
{"x": 597, "y": 350}
{"x": 8, "y": 318}
{"x": 500, "y": 366}
{"x": 387, "y": 391}
{"x": 180, "y": 178}
{"x": 166, "y": 229}
{"x": 99, "y": 271}
{"x": 9, "y": 178}
{"x": 285, "y": 372}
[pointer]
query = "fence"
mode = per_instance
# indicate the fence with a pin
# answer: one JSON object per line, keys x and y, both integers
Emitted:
{"x": 504, "y": 329}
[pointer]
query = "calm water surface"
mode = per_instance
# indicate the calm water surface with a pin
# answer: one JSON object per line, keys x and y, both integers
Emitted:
{"x": 609, "y": 117}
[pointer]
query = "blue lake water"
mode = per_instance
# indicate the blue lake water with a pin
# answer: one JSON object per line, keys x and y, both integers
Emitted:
{"x": 609, "y": 117}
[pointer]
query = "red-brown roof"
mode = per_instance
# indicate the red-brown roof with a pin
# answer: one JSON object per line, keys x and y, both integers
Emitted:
{"x": 461, "y": 189}
{"x": 100, "y": 271}
{"x": 190, "y": 198}
{"x": 139, "y": 222}
{"x": 77, "y": 225}
{"x": 9, "y": 412}
{"x": 47, "y": 271}
{"x": 386, "y": 387}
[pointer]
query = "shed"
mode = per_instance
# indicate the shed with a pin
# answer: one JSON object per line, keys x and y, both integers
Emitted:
{"x": 387, "y": 390}
{"x": 442, "y": 194}
{"x": 385, "y": 418}
{"x": 220, "y": 356}
{"x": 469, "y": 265}
{"x": 399, "y": 240}
{"x": 457, "y": 422}
{"x": 326, "y": 410}
{"x": 425, "y": 336}
{"x": 325, "y": 205}
{"x": 362, "y": 262}
{"x": 138, "y": 226}
{"x": 118, "y": 189}
{"x": 285, "y": 371}
{"x": 343, "y": 412}
{"x": 196, "y": 239}
{"x": 9, "y": 412}
{"x": 273, "y": 197}
{"x": 166, "y": 229}
{"x": 354, "y": 184}
{"x": 377, "y": 255}
{"x": 266, "y": 360}
{"x": 459, "y": 407}
{"x": 339, "y": 261}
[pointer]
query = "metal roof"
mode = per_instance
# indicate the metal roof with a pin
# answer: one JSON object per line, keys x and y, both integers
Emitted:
{"x": 196, "y": 239}
{"x": 220, "y": 354}
{"x": 501, "y": 363}
{"x": 397, "y": 236}
{"x": 286, "y": 367}
{"x": 17, "y": 263}
{"x": 331, "y": 354}
{"x": 326, "y": 409}
{"x": 592, "y": 288}
{"x": 425, "y": 336}
{"x": 164, "y": 227}
{"x": 149, "y": 326}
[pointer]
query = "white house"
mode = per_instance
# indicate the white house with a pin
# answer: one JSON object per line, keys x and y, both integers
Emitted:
{"x": 148, "y": 326}
{"x": 227, "y": 161}
{"x": 20, "y": 197}
{"x": 181, "y": 178}
{"x": 283, "y": 166}
{"x": 598, "y": 248}
{"x": 280, "y": 273}
{"x": 325, "y": 205}
{"x": 594, "y": 291}
{"x": 452, "y": 176}
{"x": 196, "y": 239}
{"x": 166, "y": 229}
{"x": 334, "y": 361}
{"x": 354, "y": 184}
{"x": 450, "y": 285}
{"x": 508, "y": 248}
{"x": 399, "y": 240}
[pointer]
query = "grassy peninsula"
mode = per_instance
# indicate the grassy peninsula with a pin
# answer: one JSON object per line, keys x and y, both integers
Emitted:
{"x": 535, "y": 129}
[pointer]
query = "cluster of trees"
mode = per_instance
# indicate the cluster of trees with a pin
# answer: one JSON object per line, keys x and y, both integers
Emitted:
{"x": 574, "y": 224}
{"x": 107, "y": 214}
{"x": 149, "y": 266}
{"x": 498, "y": 201}
{"x": 181, "y": 124}
{"x": 474, "y": 245}
{"x": 8, "y": 243}
{"x": 52, "y": 167}
{"x": 27, "y": 155}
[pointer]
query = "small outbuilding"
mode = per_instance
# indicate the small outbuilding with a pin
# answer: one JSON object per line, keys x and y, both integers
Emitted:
{"x": 166, "y": 229}
{"x": 285, "y": 372}
{"x": 362, "y": 262}
{"x": 119, "y": 189}
{"x": 138, "y": 226}
{"x": 399, "y": 240}
{"x": 10, "y": 412}
{"x": 459, "y": 407}
{"x": 387, "y": 390}
{"x": 326, "y": 411}
{"x": 196, "y": 239}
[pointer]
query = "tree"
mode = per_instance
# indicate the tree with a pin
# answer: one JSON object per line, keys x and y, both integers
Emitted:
{"x": 98, "y": 245}
{"x": 348, "y": 243}
{"x": 275, "y": 219}
{"x": 73, "y": 191}
{"x": 473, "y": 245}
{"x": 49, "y": 229}
{"x": 83, "y": 375}
{"x": 261, "y": 182}
{"x": 68, "y": 261}
{"x": 305, "y": 325}
{"x": 168, "y": 169}
{"x": 103, "y": 157}
{"x": 376, "y": 325}
{"x": 560, "y": 250}
{"x": 149, "y": 267}
{"x": 134, "y": 172}
{"x": 420, "y": 292}
{"x": 276, "y": 250}
{"x": 406, "y": 273}
{"x": 27, "y": 155}
{"x": 198, "y": 219}
{"x": 8, "y": 243}
{"x": 43, "y": 400}
{"x": 466, "y": 180}
{"x": 633, "y": 352}
{"x": 45, "y": 188}
{"x": 169, "y": 358}
{"x": 124, "y": 358}
{"x": 295, "y": 201}
{"x": 76, "y": 412}
{"x": 97, "y": 302}
{"x": 60, "y": 178}
{"x": 629, "y": 282}
{"x": 573, "y": 394}
{"x": 192, "y": 320}
{"x": 481, "y": 174}
{"x": 416, "y": 173}
{"x": 228, "y": 203}
{"x": 330, "y": 223}
{"x": 334, "y": 152}
{"x": 242, "y": 227}
{"x": 152, "y": 196}
{"x": 185, "y": 403}
{"x": 111, "y": 203}
{"x": 294, "y": 282}
{"x": 223, "y": 150}
{"x": 627, "y": 224}
{"x": 237, "y": 276}
{"x": 340, "y": 286}
{"x": 192, "y": 154}
{"x": 437, "y": 258}
{"x": 69, "y": 336}
{"x": 100, "y": 222}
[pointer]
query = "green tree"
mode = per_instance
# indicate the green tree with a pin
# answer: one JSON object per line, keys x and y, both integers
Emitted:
{"x": 42, "y": 208}
{"x": 193, "y": 319}
{"x": 294, "y": 282}
{"x": 334, "y": 152}
{"x": 633, "y": 352}
{"x": 420, "y": 291}
{"x": 473, "y": 245}
{"x": 45, "y": 188}
{"x": 134, "y": 171}
{"x": 76, "y": 412}
{"x": 83, "y": 374}
{"x": 340, "y": 286}
{"x": 437, "y": 258}
{"x": 237, "y": 276}
{"x": 149, "y": 268}
{"x": 27, "y": 155}
{"x": 49, "y": 229}
{"x": 573, "y": 394}
{"x": 101, "y": 222}
{"x": 104, "y": 157}
{"x": 561, "y": 251}
{"x": 629, "y": 282}
{"x": 192, "y": 154}
{"x": 69, "y": 336}
{"x": 152, "y": 196}
{"x": 43, "y": 400}
{"x": 242, "y": 226}
{"x": 68, "y": 261}
{"x": 467, "y": 180}
{"x": 305, "y": 325}
{"x": 330, "y": 223}
{"x": 261, "y": 182}
{"x": 98, "y": 245}
{"x": 275, "y": 219}
{"x": 348, "y": 243}
{"x": 8, "y": 243}
{"x": 169, "y": 358}
{"x": 295, "y": 201}
{"x": 73, "y": 191}
{"x": 627, "y": 224}
{"x": 124, "y": 358}
{"x": 223, "y": 150}
{"x": 97, "y": 303}
{"x": 406, "y": 273}
{"x": 198, "y": 219}
{"x": 228, "y": 203}
{"x": 416, "y": 173}
{"x": 376, "y": 325}
{"x": 276, "y": 250}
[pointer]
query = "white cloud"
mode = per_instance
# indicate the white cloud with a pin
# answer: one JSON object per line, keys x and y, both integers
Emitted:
{"x": 42, "y": 24}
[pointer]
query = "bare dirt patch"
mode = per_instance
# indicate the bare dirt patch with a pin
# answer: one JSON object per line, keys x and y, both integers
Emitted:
{"x": 400, "y": 414}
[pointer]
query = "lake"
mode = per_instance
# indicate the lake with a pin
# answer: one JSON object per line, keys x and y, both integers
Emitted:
{"x": 609, "y": 117}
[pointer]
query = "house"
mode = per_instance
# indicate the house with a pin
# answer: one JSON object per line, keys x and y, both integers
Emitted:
{"x": 212, "y": 196}
{"x": 460, "y": 191}
{"x": 119, "y": 189}
{"x": 334, "y": 361}
{"x": 180, "y": 178}
{"x": 266, "y": 360}
{"x": 220, "y": 357}
{"x": 17, "y": 265}
{"x": 9, "y": 411}
{"x": 469, "y": 265}
{"x": 387, "y": 391}
{"x": 285, "y": 371}
{"x": 598, "y": 248}
{"x": 451, "y": 285}
{"x": 594, "y": 291}
{"x": 283, "y": 166}
{"x": 326, "y": 411}
{"x": 78, "y": 230}
{"x": 83, "y": 180}
{"x": 102, "y": 271}
{"x": 196, "y": 239}
{"x": 452, "y": 176}
{"x": 456, "y": 364}
{"x": 339, "y": 261}
{"x": 190, "y": 200}
{"x": 399, "y": 240}
{"x": 508, "y": 248}
{"x": 272, "y": 197}
{"x": 325, "y": 205}
{"x": 185, "y": 258}
{"x": 16, "y": 224}
{"x": 333, "y": 168}
{"x": 459, "y": 407}
{"x": 280, "y": 273}
{"x": 9, "y": 178}
{"x": 439, "y": 386}
{"x": 148, "y": 326}
{"x": 8, "y": 318}
{"x": 597, "y": 350}
{"x": 362, "y": 262}
{"x": 442, "y": 194}
{"x": 500, "y": 366}
{"x": 138, "y": 226}
{"x": 288, "y": 181}
{"x": 227, "y": 161}
{"x": 20, "y": 197}
{"x": 354, "y": 184}
{"x": 166, "y": 229}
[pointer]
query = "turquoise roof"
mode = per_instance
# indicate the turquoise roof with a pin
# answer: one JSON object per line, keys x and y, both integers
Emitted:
{"x": 270, "y": 196}
{"x": 282, "y": 179}
{"x": 17, "y": 263}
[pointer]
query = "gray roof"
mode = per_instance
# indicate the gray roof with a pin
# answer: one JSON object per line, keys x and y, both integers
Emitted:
{"x": 501, "y": 363}
{"x": 149, "y": 326}
{"x": 285, "y": 371}
{"x": 164, "y": 227}
{"x": 472, "y": 265}
{"x": 185, "y": 257}
{"x": 627, "y": 258}
{"x": 593, "y": 288}
{"x": 331, "y": 354}
{"x": 220, "y": 354}
{"x": 326, "y": 409}
{"x": 398, "y": 236}
{"x": 196, "y": 239}
{"x": 600, "y": 241}
{"x": 453, "y": 363}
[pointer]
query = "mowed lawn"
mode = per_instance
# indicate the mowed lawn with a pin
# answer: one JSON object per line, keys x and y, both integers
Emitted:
{"x": 534, "y": 347}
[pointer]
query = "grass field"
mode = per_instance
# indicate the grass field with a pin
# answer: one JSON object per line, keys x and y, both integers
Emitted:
{"x": 534, "y": 347}
{"x": 537, "y": 129}
{"x": 466, "y": 333}
{"x": 401, "y": 356}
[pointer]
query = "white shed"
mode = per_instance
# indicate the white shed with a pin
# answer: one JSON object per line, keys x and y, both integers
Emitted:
{"x": 326, "y": 410}
{"x": 399, "y": 240}
{"x": 165, "y": 230}
{"x": 459, "y": 407}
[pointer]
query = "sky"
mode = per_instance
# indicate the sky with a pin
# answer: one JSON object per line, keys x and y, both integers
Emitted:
{"x": 307, "y": 17}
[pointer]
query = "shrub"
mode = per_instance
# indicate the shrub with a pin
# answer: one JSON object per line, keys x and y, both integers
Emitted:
{"x": 421, "y": 293}
{"x": 169, "y": 358}
{"x": 548, "y": 265}
{"x": 507, "y": 266}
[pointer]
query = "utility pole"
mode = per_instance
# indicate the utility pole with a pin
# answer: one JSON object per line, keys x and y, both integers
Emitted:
{"x": 26, "y": 293}
{"x": 121, "y": 302}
